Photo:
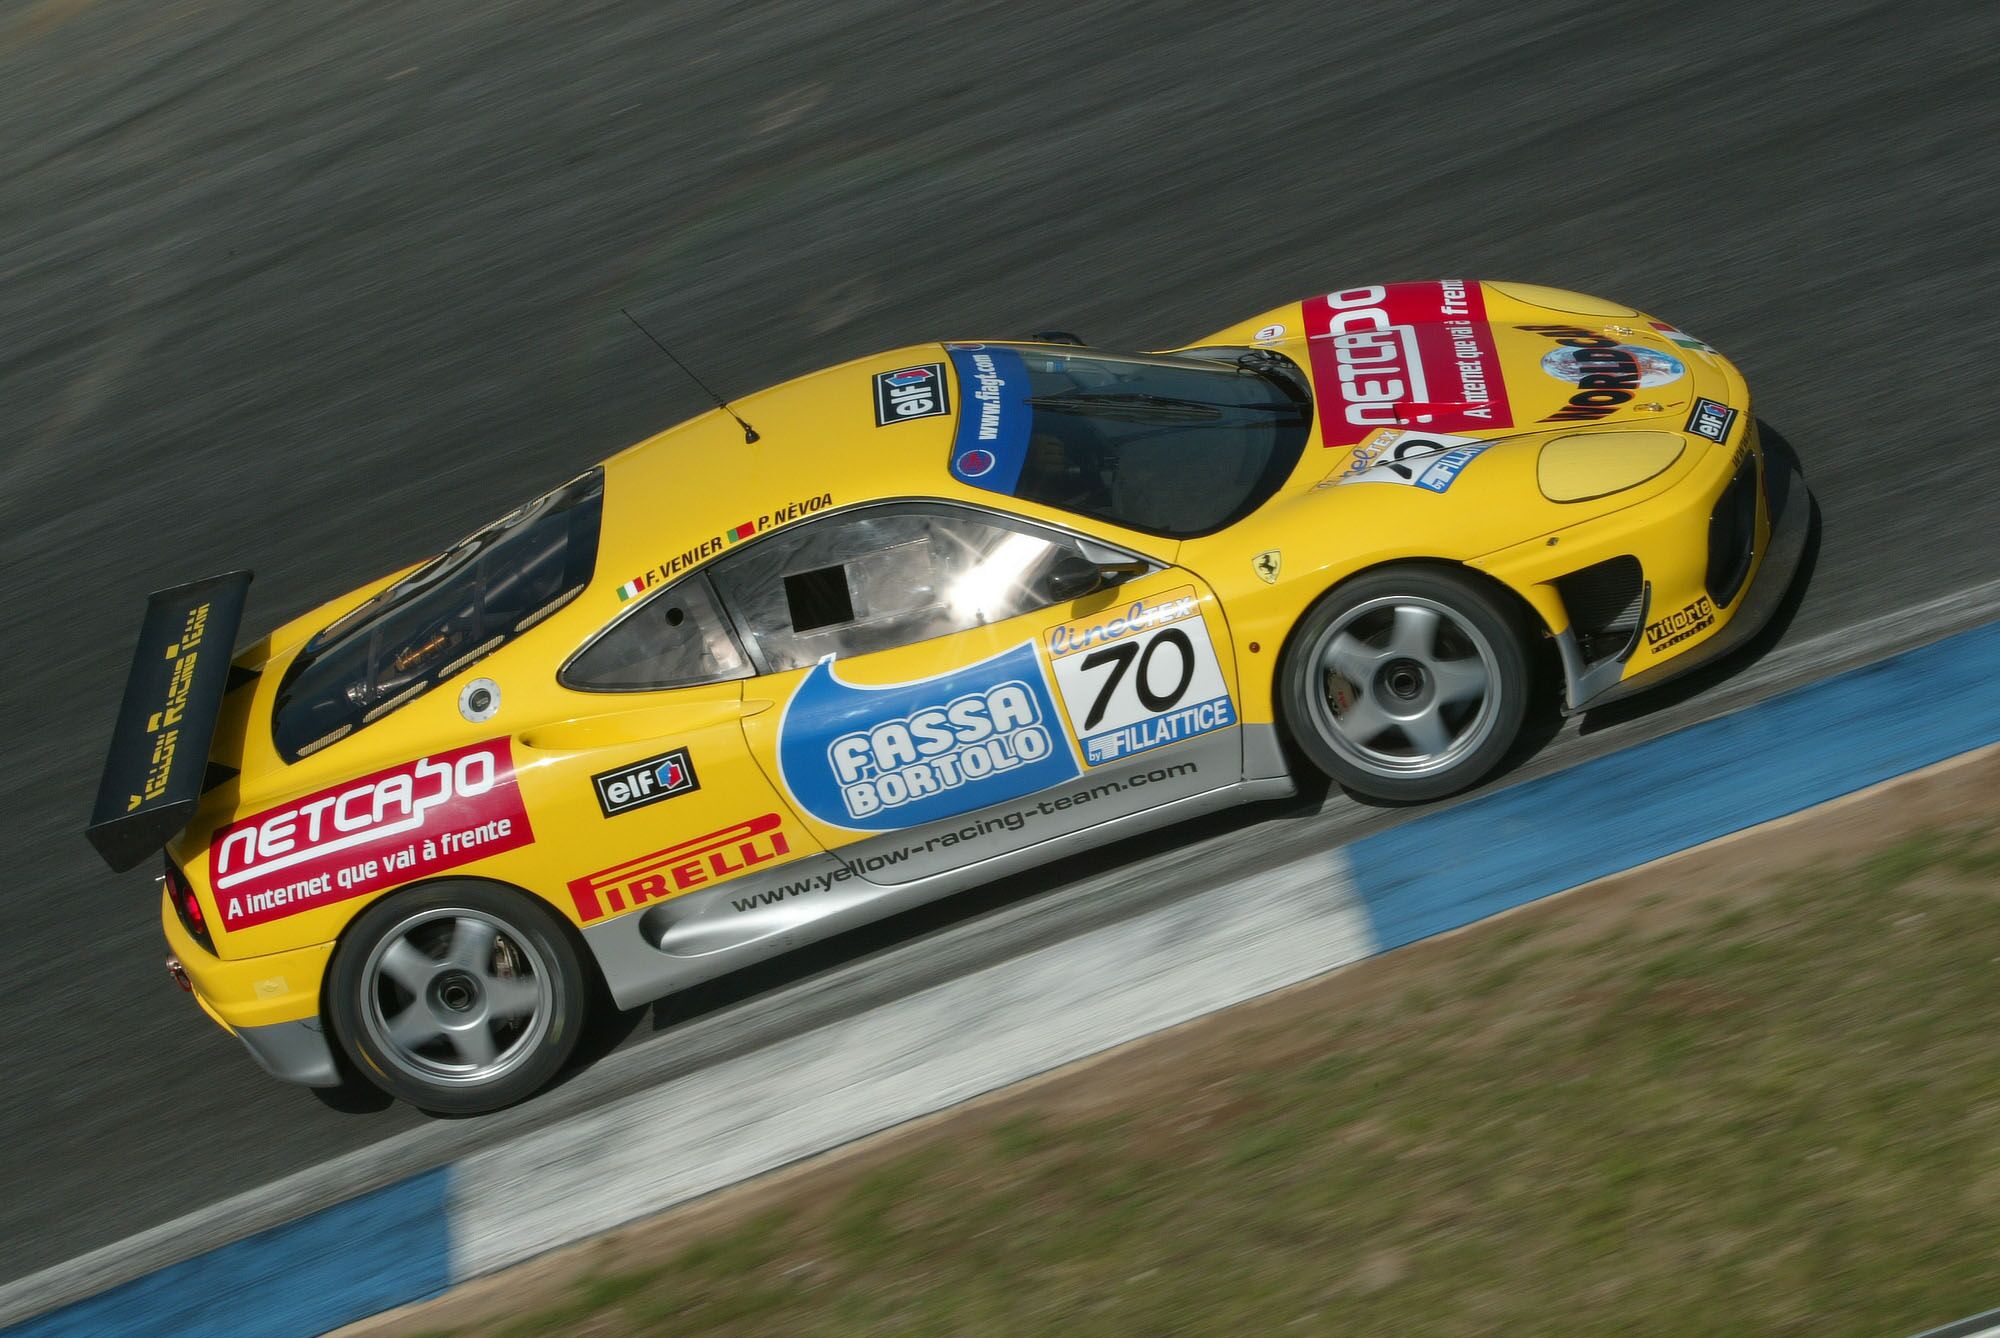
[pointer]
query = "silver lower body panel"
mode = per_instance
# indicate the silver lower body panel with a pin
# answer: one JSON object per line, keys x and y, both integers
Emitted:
{"x": 749, "y": 919}
{"x": 297, "y": 1052}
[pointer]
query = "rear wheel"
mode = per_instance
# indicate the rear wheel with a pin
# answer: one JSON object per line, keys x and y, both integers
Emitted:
{"x": 1408, "y": 683}
{"x": 459, "y": 997}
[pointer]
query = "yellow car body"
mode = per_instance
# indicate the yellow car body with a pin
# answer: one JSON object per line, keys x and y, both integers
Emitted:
{"x": 680, "y": 832}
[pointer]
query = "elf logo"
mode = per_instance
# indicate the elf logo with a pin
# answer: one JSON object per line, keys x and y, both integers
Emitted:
{"x": 911, "y": 392}
{"x": 638, "y": 784}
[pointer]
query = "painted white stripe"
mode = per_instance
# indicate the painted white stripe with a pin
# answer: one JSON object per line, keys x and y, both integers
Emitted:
{"x": 927, "y": 1051}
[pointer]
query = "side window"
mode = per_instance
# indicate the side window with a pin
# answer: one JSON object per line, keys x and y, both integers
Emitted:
{"x": 676, "y": 638}
{"x": 881, "y": 578}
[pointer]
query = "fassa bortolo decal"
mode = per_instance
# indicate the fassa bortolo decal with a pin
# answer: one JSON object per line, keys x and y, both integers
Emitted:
{"x": 405, "y": 822}
{"x": 1140, "y": 678}
{"x": 1404, "y": 355}
{"x": 879, "y": 758}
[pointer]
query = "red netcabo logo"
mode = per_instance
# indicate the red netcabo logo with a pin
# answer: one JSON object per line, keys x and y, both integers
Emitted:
{"x": 375, "y": 831}
{"x": 1416, "y": 355}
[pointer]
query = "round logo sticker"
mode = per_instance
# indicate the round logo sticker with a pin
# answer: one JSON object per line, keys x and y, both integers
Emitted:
{"x": 975, "y": 462}
{"x": 1270, "y": 332}
{"x": 1655, "y": 368}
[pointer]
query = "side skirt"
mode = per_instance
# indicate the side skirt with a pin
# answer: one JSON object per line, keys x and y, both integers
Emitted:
{"x": 747, "y": 920}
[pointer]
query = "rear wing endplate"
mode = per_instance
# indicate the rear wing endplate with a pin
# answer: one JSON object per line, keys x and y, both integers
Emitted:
{"x": 173, "y": 696}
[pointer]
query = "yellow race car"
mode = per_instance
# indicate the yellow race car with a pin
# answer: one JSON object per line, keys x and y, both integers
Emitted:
{"x": 929, "y": 618}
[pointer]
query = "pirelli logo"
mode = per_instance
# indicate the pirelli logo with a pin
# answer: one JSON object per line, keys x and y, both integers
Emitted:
{"x": 679, "y": 868}
{"x": 1678, "y": 627}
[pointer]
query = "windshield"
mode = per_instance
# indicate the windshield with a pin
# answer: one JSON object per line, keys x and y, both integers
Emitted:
{"x": 454, "y": 610}
{"x": 1177, "y": 445}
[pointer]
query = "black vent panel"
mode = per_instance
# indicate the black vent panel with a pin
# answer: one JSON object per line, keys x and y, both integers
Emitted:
{"x": 1605, "y": 602}
{"x": 1732, "y": 534}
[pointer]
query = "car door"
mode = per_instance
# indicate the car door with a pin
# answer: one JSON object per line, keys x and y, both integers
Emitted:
{"x": 947, "y": 684}
{"x": 662, "y": 792}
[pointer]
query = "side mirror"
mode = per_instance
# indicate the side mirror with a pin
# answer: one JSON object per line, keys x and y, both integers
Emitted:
{"x": 1072, "y": 576}
{"x": 1088, "y": 568}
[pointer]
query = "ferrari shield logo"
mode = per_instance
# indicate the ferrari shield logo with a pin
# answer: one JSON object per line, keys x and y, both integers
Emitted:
{"x": 1265, "y": 564}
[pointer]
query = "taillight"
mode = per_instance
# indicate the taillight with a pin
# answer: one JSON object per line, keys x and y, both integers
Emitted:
{"x": 188, "y": 906}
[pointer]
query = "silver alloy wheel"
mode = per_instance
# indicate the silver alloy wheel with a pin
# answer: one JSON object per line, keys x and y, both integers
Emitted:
{"x": 1406, "y": 686}
{"x": 453, "y": 995}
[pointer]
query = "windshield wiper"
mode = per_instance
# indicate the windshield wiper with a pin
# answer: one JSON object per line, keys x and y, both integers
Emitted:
{"x": 1279, "y": 370}
{"x": 1135, "y": 406}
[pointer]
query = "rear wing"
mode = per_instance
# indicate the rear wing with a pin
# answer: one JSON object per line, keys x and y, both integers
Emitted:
{"x": 154, "y": 774}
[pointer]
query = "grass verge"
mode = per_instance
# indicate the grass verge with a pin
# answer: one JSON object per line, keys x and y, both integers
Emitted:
{"x": 1691, "y": 1105}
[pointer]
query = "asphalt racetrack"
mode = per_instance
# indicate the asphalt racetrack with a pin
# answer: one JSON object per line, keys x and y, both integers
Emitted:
{"x": 313, "y": 289}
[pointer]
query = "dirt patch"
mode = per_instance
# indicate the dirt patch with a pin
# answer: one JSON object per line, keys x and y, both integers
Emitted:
{"x": 1497, "y": 1084}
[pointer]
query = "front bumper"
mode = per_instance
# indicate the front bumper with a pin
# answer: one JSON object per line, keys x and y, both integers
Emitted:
{"x": 1789, "y": 506}
{"x": 269, "y": 1003}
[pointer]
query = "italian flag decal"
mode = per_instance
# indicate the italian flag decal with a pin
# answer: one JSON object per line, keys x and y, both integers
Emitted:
{"x": 743, "y": 531}
{"x": 630, "y": 590}
{"x": 1681, "y": 337}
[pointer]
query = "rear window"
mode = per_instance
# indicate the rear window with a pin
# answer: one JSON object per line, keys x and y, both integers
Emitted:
{"x": 450, "y": 613}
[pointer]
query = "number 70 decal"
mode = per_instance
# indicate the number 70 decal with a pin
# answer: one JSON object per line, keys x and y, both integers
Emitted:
{"x": 1141, "y": 678}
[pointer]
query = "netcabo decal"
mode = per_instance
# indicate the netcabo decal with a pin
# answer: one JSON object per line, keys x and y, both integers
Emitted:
{"x": 1416, "y": 355}
{"x": 648, "y": 781}
{"x": 1607, "y": 374}
{"x": 1428, "y": 460}
{"x": 991, "y": 443}
{"x": 911, "y": 392}
{"x": 1141, "y": 678}
{"x": 879, "y": 758}
{"x": 679, "y": 868}
{"x": 1711, "y": 420}
{"x": 404, "y": 822}
{"x": 708, "y": 548}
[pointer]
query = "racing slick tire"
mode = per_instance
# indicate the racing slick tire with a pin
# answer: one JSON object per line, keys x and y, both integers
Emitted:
{"x": 1407, "y": 683}
{"x": 459, "y": 997}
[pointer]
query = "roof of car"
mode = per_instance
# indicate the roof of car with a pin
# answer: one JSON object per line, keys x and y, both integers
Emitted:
{"x": 677, "y": 498}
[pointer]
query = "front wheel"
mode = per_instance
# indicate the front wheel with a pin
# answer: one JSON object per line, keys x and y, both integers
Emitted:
{"x": 459, "y": 997}
{"x": 1408, "y": 683}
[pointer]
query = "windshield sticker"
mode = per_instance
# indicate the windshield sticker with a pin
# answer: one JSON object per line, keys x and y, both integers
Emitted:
{"x": 991, "y": 443}
{"x": 1143, "y": 677}
{"x": 1404, "y": 355}
{"x": 911, "y": 392}
{"x": 879, "y": 758}
{"x": 385, "y": 828}
{"x": 1428, "y": 460}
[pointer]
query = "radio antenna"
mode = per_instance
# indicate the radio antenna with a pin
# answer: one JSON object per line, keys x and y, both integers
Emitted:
{"x": 749, "y": 432}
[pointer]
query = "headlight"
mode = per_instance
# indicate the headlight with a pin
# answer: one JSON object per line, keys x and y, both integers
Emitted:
{"x": 1585, "y": 465}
